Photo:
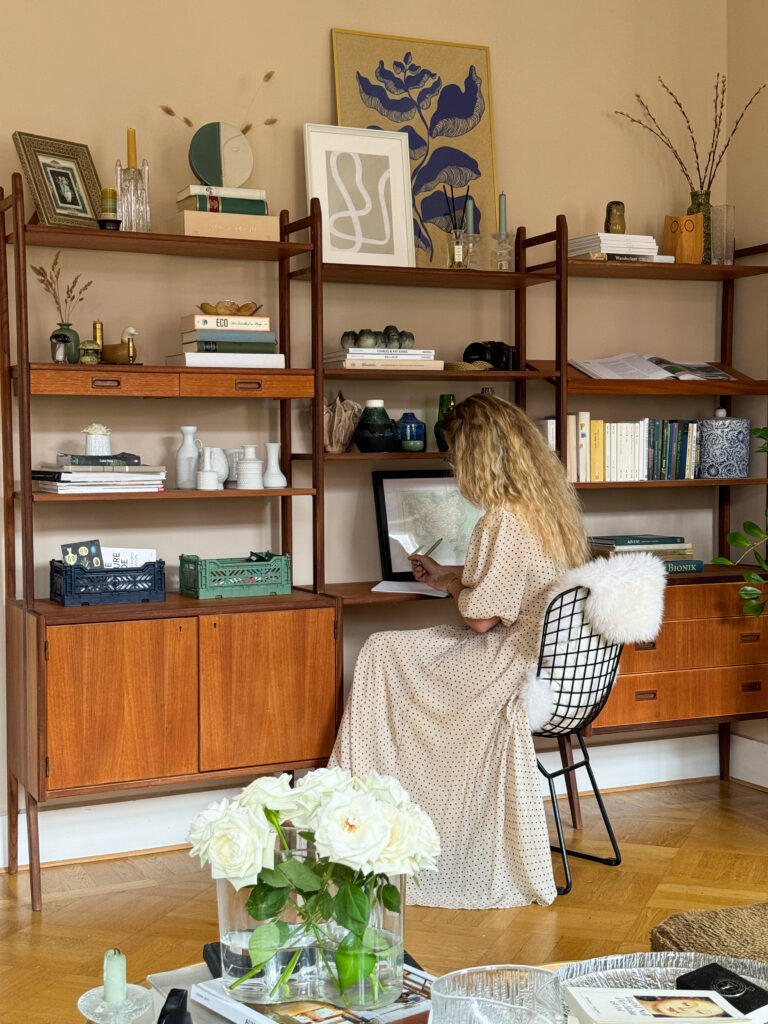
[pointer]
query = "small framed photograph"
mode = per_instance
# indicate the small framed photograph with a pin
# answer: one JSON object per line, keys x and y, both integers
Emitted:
{"x": 362, "y": 178}
{"x": 416, "y": 508}
{"x": 62, "y": 179}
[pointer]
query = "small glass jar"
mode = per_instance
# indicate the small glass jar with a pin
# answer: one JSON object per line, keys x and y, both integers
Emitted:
{"x": 411, "y": 432}
{"x": 614, "y": 218}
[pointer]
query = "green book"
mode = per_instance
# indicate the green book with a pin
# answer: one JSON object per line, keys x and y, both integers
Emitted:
{"x": 628, "y": 540}
{"x": 229, "y": 346}
{"x": 224, "y": 204}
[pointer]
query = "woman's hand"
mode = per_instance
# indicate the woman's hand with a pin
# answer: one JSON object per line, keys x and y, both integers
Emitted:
{"x": 427, "y": 570}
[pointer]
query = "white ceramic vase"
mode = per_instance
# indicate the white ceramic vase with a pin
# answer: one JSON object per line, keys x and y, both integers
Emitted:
{"x": 249, "y": 474}
{"x": 220, "y": 465}
{"x": 187, "y": 458}
{"x": 273, "y": 476}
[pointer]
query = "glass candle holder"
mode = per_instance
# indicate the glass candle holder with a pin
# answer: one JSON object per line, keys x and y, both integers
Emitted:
{"x": 502, "y": 250}
{"x": 472, "y": 254}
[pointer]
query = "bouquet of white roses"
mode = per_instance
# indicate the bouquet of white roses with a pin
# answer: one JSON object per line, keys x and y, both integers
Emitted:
{"x": 361, "y": 831}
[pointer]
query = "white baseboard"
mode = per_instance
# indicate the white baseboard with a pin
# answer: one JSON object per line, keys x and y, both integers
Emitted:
{"x": 124, "y": 826}
{"x": 749, "y": 760}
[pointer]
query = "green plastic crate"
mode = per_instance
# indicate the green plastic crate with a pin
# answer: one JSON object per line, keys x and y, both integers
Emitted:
{"x": 258, "y": 576}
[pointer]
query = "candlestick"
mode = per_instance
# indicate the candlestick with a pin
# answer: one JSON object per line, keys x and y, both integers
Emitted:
{"x": 469, "y": 215}
{"x": 502, "y": 213}
{"x": 131, "y": 147}
{"x": 114, "y": 976}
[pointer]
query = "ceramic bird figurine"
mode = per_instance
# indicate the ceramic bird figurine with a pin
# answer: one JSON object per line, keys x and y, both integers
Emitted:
{"x": 124, "y": 351}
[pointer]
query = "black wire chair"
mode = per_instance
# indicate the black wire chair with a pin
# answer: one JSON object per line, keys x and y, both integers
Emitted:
{"x": 581, "y": 666}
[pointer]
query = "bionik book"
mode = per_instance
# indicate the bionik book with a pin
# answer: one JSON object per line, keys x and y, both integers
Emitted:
{"x": 224, "y": 204}
{"x": 220, "y": 190}
{"x": 214, "y": 322}
{"x": 676, "y": 566}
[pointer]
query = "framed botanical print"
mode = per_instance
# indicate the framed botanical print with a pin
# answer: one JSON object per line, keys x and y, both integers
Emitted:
{"x": 361, "y": 178}
{"x": 62, "y": 179}
{"x": 438, "y": 95}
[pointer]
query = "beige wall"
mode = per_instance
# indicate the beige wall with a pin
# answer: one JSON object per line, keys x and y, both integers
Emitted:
{"x": 559, "y": 70}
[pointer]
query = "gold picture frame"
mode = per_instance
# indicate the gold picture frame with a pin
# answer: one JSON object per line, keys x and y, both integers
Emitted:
{"x": 439, "y": 95}
{"x": 62, "y": 179}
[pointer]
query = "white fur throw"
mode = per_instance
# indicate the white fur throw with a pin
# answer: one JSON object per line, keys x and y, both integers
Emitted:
{"x": 625, "y": 605}
{"x": 626, "y": 595}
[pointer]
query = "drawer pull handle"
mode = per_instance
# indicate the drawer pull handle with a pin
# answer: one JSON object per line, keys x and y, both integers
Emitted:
{"x": 646, "y": 694}
{"x": 106, "y": 382}
{"x": 754, "y": 687}
{"x": 648, "y": 645}
{"x": 247, "y": 385}
{"x": 749, "y": 638}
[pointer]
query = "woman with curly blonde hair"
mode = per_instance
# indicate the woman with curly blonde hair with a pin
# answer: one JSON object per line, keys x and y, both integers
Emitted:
{"x": 444, "y": 709}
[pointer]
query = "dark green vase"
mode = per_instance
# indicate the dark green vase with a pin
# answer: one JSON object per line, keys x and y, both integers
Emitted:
{"x": 67, "y": 336}
{"x": 700, "y": 203}
{"x": 446, "y": 402}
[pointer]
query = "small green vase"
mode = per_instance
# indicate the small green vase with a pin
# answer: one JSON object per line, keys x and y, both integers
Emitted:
{"x": 66, "y": 335}
{"x": 446, "y": 402}
{"x": 700, "y": 203}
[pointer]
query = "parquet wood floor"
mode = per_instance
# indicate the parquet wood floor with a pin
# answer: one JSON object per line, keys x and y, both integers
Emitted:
{"x": 697, "y": 844}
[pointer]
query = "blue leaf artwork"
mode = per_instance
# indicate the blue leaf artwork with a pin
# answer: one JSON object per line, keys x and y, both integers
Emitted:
{"x": 424, "y": 90}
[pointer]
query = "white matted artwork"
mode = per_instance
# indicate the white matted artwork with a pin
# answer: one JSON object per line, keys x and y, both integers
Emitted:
{"x": 362, "y": 178}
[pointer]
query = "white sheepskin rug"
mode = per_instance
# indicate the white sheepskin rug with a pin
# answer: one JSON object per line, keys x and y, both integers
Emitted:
{"x": 625, "y": 605}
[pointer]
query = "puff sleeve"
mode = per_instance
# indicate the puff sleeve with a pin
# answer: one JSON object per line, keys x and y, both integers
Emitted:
{"x": 496, "y": 568}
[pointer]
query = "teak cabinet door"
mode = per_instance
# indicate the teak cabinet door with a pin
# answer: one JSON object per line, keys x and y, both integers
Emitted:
{"x": 121, "y": 702}
{"x": 267, "y": 688}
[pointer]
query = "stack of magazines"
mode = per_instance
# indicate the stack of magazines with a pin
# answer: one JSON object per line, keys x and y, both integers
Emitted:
{"x": 604, "y": 245}
{"x": 99, "y": 479}
{"x": 383, "y": 359}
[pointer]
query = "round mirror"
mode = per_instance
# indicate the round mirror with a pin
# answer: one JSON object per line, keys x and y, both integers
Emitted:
{"x": 220, "y": 154}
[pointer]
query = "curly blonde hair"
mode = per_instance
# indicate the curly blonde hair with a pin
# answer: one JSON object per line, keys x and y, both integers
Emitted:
{"x": 500, "y": 458}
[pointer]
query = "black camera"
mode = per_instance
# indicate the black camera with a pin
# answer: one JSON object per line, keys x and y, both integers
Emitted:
{"x": 500, "y": 355}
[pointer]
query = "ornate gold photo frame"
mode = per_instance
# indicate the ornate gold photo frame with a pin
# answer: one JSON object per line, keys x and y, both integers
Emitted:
{"x": 62, "y": 180}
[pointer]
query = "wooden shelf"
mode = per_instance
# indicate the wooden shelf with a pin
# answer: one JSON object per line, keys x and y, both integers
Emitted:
{"x": 489, "y": 376}
{"x": 730, "y": 482}
{"x": 663, "y": 271}
{"x": 426, "y": 277}
{"x": 361, "y": 593}
{"x": 356, "y": 456}
{"x": 282, "y": 492}
{"x": 160, "y": 245}
{"x": 580, "y": 384}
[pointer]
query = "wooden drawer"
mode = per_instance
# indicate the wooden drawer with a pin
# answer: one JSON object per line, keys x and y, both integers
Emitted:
{"x": 702, "y": 600}
{"x": 700, "y": 643}
{"x": 245, "y": 384}
{"x": 684, "y": 696}
{"x": 103, "y": 380}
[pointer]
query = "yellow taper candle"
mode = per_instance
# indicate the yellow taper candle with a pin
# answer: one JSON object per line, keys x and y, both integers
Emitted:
{"x": 115, "y": 990}
{"x": 132, "y": 147}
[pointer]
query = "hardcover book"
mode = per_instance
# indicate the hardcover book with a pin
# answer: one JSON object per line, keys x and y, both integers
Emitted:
{"x": 391, "y": 364}
{"x": 227, "y": 225}
{"x": 203, "y": 334}
{"x": 230, "y": 191}
{"x": 257, "y": 360}
{"x": 214, "y": 322}
{"x": 229, "y": 346}
{"x": 224, "y": 204}
{"x": 643, "y": 1006}
{"x": 121, "y": 459}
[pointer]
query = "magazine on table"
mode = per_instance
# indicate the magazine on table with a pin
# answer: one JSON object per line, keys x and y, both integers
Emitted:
{"x": 631, "y": 366}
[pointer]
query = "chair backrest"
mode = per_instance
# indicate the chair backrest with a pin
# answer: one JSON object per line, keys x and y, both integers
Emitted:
{"x": 580, "y": 664}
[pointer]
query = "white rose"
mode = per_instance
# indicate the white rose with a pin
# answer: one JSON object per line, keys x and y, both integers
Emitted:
{"x": 350, "y": 829}
{"x": 202, "y": 828}
{"x": 413, "y": 844}
{"x": 386, "y": 788}
{"x": 241, "y": 845}
{"x": 272, "y": 792}
{"x": 314, "y": 788}
{"x": 426, "y": 842}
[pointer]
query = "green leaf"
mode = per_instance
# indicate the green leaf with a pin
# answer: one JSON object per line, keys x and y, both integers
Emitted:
{"x": 737, "y": 540}
{"x": 341, "y": 874}
{"x": 300, "y": 874}
{"x": 754, "y": 577}
{"x": 354, "y": 961}
{"x": 270, "y": 876}
{"x": 352, "y": 909}
{"x": 754, "y": 608}
{"x": 266, "y": 901}
{"x": 325, "y": 905}
{"x": 761, "y": 561}
{"x": 390, "y": 897}
{"x": 753, "y": 529}
{"x": 749, "y": 593}
{"x": 721, "y": 560}
{"x": 265, "y": 941}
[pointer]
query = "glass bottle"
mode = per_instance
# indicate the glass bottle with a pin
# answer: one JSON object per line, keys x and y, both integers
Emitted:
{"x": 411, "y": 432}
{"x": 446, "y": 403}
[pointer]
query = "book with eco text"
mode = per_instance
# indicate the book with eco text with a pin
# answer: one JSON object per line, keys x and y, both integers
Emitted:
{"x": 214, "y": 322}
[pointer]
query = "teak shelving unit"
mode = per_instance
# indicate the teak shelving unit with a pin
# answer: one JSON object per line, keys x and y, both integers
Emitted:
{"x": 110, "y": 697}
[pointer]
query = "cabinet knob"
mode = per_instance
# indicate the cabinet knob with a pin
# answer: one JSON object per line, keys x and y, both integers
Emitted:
{"x": 749, "y": 638}
{"x": 754, "y": 686}
{"x": 247, "y": 385}
{"x": 646, "y": 694}
{"x": 647, "y": 645}
{"x": 106, "y": 382}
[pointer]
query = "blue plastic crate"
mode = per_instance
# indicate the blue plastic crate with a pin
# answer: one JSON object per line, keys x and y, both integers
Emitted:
{"x": 74, "y": 585}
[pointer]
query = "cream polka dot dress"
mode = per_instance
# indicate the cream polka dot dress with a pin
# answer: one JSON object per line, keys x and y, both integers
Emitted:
{"x": 440, "y": 709}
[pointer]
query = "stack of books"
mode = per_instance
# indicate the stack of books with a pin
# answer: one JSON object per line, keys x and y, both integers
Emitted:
{"x": 212, "y": 340}
{"x": 99, "y": 479}
{"x": 603, "y": 451}
{"x": 383, "y": 359}
{"x": 604, "y": 245}
{"x": 674, "y": 551}
{"x": 218, "y": 211}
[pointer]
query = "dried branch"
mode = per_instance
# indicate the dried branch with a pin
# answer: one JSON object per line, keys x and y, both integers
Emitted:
{"x": 172, "y": 113}
{"x": 681, "y": 108}
{"x": 663, "y": 138}
{"x": 748, "y": 104}
{"x": 49, "y": 280}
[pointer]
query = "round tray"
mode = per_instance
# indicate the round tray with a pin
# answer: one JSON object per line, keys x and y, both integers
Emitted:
{"x": 658, "y": 970}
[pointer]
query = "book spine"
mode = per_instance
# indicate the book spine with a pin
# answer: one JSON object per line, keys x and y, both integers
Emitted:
{"x": 229, "y": 346}
{"x": 221, "y": 190}
{"x": 206, "y": 322}
{"x": 597, "y": 451}
{"x": 385, "y": 353}
{"x": 675, "y": 566}
{"x": 548, "y": 429}
{"x": 123, "y": 459}
{"x": 227, "y": 204}
{"x": 572, "y": 446}
{"x": 246, "y": 335}
{"x": 237, "y": 1012}
{"x": 628, "y": 540}
{"x": 390, "y": 364}
{"x": 584, "y": 446}
{"x": 228, "y": 225}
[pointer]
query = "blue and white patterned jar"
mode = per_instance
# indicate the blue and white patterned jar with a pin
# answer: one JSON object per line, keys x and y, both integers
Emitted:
{"x": 724, "y": 447}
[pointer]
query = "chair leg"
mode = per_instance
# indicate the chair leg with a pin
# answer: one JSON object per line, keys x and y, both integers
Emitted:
{"x": 616, "y": 859}
{"x": 571, "y": 785}
{"x": 561, "y": 849}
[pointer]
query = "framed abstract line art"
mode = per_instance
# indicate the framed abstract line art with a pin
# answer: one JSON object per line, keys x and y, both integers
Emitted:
{"x": 439, "y": 96}
{"x": 415, "y": 508}
{"x": 361, "y": 178}
{"x": 62, "y": 179}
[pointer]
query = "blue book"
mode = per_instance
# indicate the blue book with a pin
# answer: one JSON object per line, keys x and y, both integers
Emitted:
{"x": 206, "y": 335}
{"x": 676, "y": 566}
